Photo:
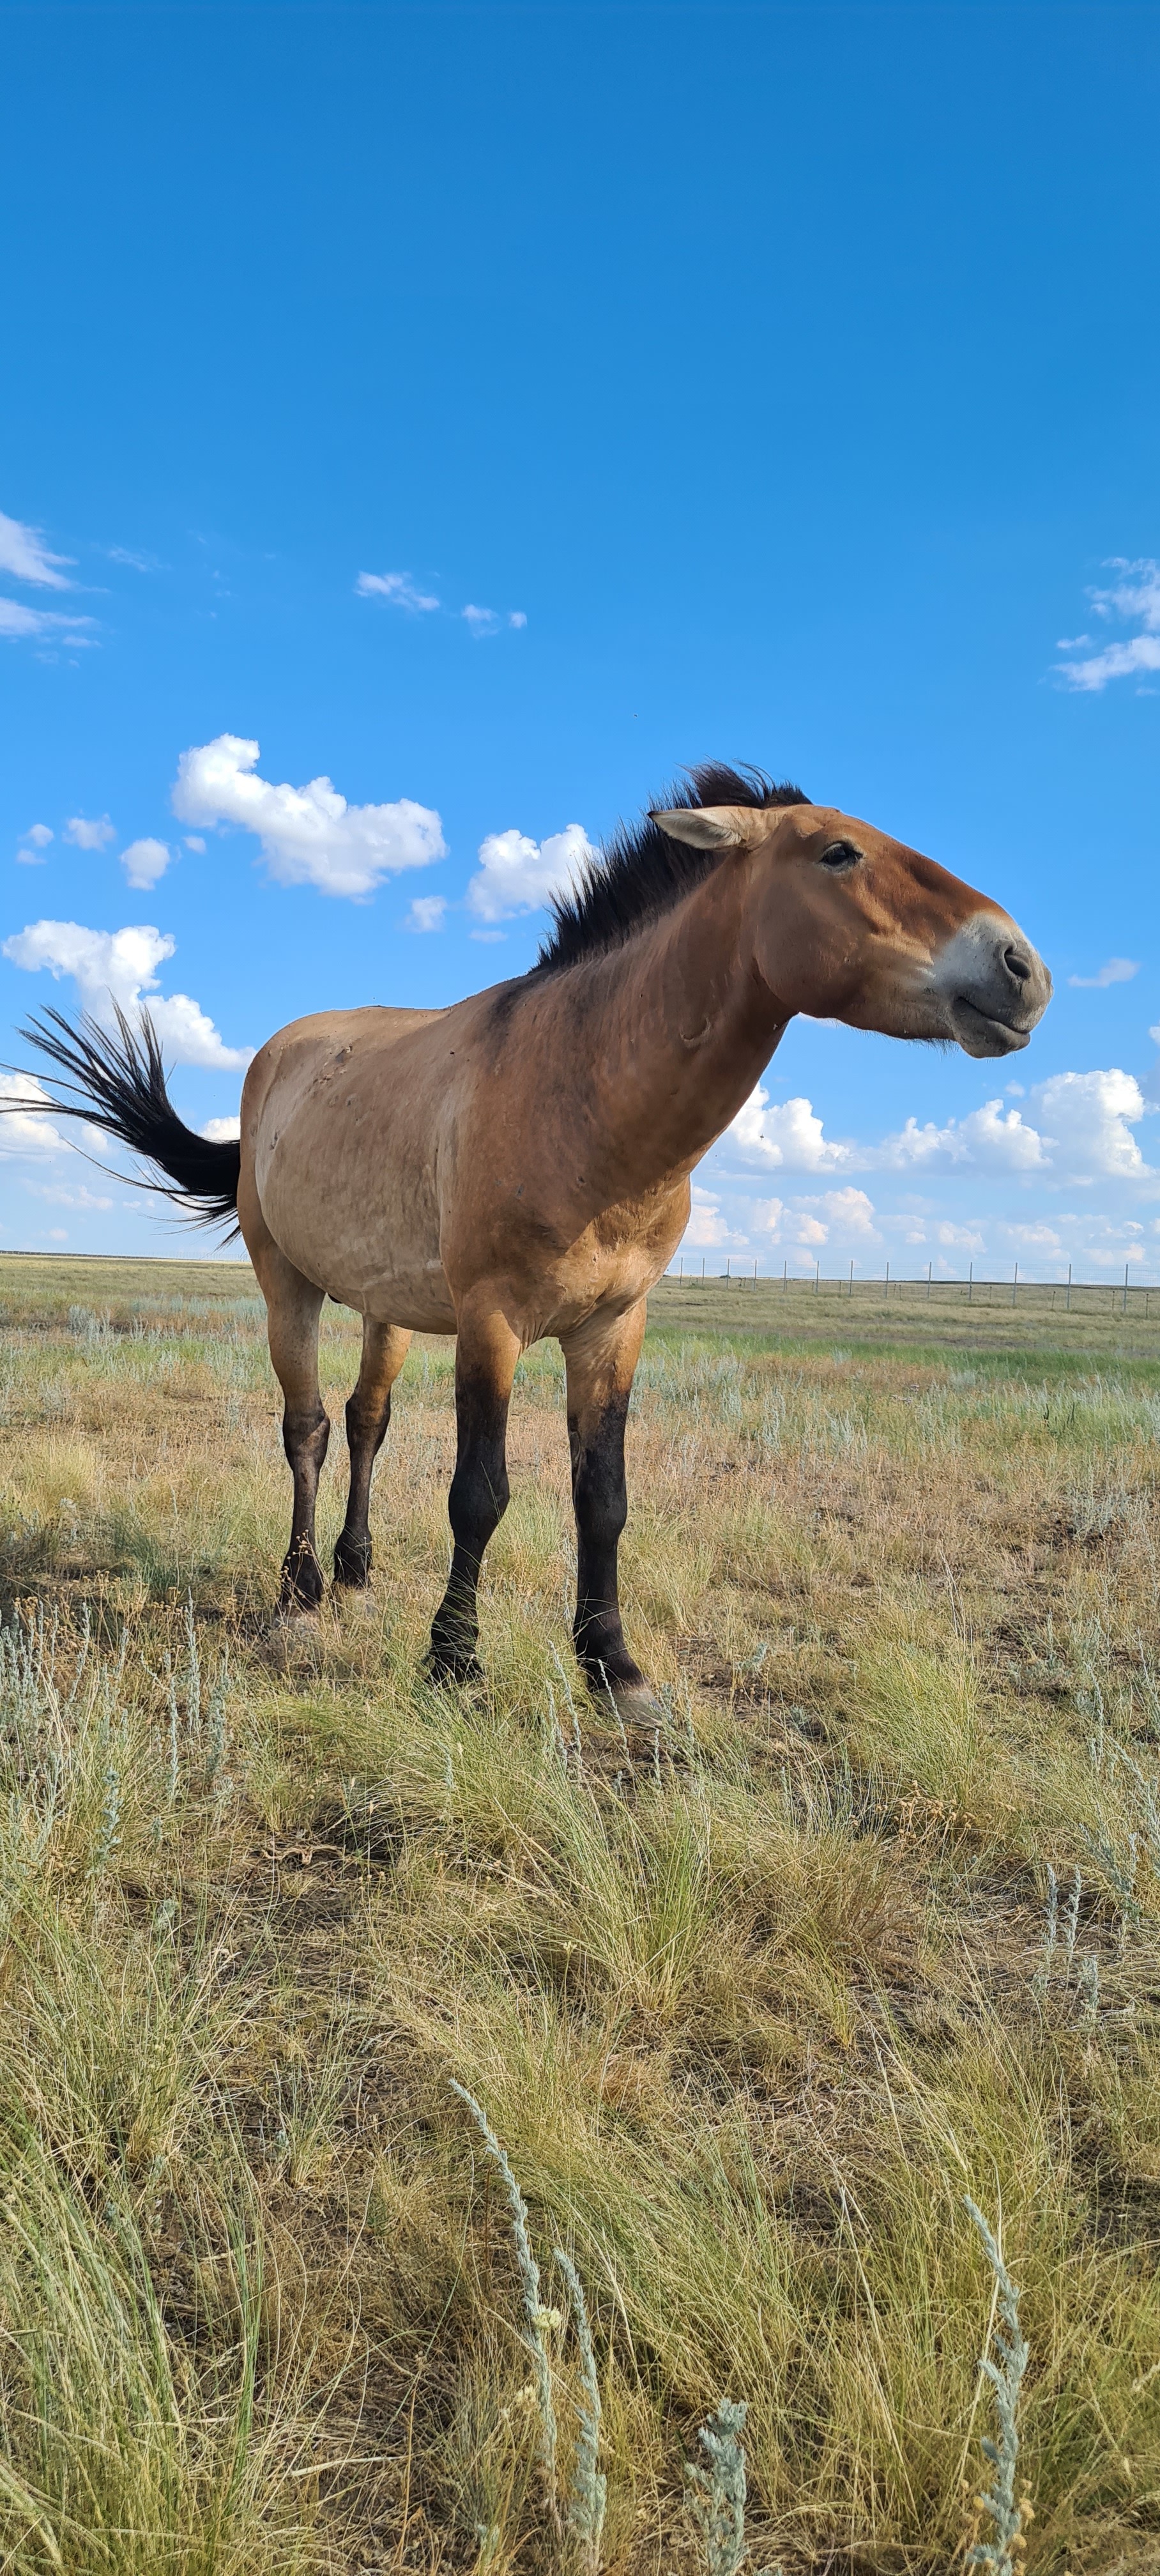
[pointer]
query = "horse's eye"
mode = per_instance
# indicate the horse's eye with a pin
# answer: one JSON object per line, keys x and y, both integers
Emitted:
{"x": 840, "y": 854}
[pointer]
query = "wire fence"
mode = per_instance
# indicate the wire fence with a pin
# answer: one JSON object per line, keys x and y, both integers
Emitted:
{"x": 1062, "y": 1296}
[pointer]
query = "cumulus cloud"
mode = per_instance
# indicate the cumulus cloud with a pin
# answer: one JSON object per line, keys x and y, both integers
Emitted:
{"x": 309, "y": 835}
{"x": 222, "y": 1131}
{"x": 145, "y": 861}
{"x": 518, "y": 875}
{"x": 25, "y": 556}
{"x": 26, "y": 1132}
{"x": 847, "y": 1214}
{"x": 396, "y": 586}
{"x": 708, "y": 1227}
{"x": 426, "y": 912}
{"x": 1132, "y": 600}
{"x": 1088, "y": 1120}
{"x": 788, "y": 1137}
{"x": 86, "y": 832}
{"x": 991, "y": 1139}
{"x": 121, "y": 966}
{"x": 34, "y": 843}
{"x": 39, "y": 834}
{"x": 1115, "y": 970}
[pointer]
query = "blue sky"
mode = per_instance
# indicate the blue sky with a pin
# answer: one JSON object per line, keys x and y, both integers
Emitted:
{"x": 488, "y": 410}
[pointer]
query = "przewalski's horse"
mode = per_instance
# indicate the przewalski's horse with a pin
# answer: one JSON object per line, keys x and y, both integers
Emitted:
{"x": 518, "y": 1165}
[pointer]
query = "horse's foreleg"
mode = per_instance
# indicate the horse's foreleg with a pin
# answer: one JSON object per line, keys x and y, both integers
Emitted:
{"x": 601, "y": 1360}
{"x": 367, "y": 1415}
{"x": 293, "y": 1306}
{"x": 485, "y": 1362}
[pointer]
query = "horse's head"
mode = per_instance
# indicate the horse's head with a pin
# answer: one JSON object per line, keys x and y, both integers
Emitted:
{"x": 850, "y": 925}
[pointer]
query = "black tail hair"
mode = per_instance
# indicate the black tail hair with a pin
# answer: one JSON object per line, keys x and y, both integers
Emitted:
{"x": 118, "y": 1084}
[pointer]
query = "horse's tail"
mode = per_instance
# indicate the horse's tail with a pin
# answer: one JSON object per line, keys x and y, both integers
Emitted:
{"x": 117, "y": 1083}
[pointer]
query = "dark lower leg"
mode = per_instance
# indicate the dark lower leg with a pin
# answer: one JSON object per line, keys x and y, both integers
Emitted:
{"x": 601, "y": 1359}
{"x": 601, "y": 1501}
{"x": 476, "y": 1504}
{"x": 367, "y": 1416}
{"x": 305, "y": 1443}
{"x": 293, "y": 1306}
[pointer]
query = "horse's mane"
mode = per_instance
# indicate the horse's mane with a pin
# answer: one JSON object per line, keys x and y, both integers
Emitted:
{"x": 641, "y": 873}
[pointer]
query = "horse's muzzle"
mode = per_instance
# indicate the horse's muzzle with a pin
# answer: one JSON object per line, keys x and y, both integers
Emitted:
{"x": 993, "y": 986}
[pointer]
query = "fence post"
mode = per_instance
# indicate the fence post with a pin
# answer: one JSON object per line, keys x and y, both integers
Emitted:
{"x": 929, "y": 1268}
{"x": 1015, "y": 1283}
{"x": 886, "y": 1290}
{"x": 817, "y": 1275}
{"x": 851, "y": 1279}
{"x": 971, "y": 1285}
{"x": 1124, "y": 1307}
{"x": 784, "y": 1277}
{"x": 1067, "y": 1299}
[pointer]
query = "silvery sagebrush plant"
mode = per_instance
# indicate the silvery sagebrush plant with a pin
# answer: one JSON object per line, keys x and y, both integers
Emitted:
{"x": 717, "y": 2492}
{"x": 583, "y": 2520}
{"x": 1002, "y": 2556}
{"x": 589, "y": 2486}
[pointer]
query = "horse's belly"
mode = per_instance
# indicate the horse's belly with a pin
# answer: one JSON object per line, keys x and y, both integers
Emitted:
{"x": 361, "y": 1228}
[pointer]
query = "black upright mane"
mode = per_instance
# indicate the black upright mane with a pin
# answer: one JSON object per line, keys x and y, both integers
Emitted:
{"x": 641, "y": 873}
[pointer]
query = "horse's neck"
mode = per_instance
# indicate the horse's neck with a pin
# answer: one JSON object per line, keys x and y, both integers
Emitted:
{"x": 675, "y": 1028}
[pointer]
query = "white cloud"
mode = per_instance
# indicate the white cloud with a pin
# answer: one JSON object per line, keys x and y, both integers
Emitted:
{"x": 194, "y": 841}
{"x": 708, "y": 1227}
{"x": 1134, "y": 600}
{"x": 121, "y": 966}
{"x": 21, "y": 1131}
{"x": 16, "y": 620}
{"x": 222, "y": 1131}
{"x": 518, "y": 875}
{"x": 144, "y": 862}
{"x": 1088, "y": 1119}
{"x": 991, "y": 1139}
{"x": 26, "y": 558}
{"x": 397, "y": 586}
{"x": 59, "y": 1196}
{"x": 788, "y": 1137}
{"x": 850, "y": 1212}
{"x": 487, "y": 621}
{"x": 1116, "y": 970}
{"x": 426, "y": 912}
{"x": 309, "y": 835}
{"x": 86, "y": 833}
{"x": 38, "y": 835}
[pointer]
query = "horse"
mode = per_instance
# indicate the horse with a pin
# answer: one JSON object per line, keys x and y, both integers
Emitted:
{"x": 517, "y": 1165}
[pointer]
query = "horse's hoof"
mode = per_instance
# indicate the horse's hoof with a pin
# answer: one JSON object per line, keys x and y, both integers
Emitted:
{"x": 634, "y": 1703}
{"x": 352, "y": 1573}
{"x": 454, "y": 1672}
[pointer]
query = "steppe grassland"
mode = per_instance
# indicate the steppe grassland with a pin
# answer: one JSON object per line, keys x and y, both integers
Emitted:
{"x": 751, "y": 2016}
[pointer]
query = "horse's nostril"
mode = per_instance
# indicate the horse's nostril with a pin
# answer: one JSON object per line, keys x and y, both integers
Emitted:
{"x": 1017, "y": 964}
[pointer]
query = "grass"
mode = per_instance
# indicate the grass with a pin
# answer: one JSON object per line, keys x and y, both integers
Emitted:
{"x": 752, "y": 2018}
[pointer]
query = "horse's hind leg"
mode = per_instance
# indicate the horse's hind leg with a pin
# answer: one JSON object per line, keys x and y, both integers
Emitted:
{"x": 293, "y": 1306}
{"x": 384, "y": 1350}
{"x": 601, "y": 1361}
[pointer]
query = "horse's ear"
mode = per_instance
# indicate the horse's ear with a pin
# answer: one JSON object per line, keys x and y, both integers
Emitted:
{"x": 713, "y": 827}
